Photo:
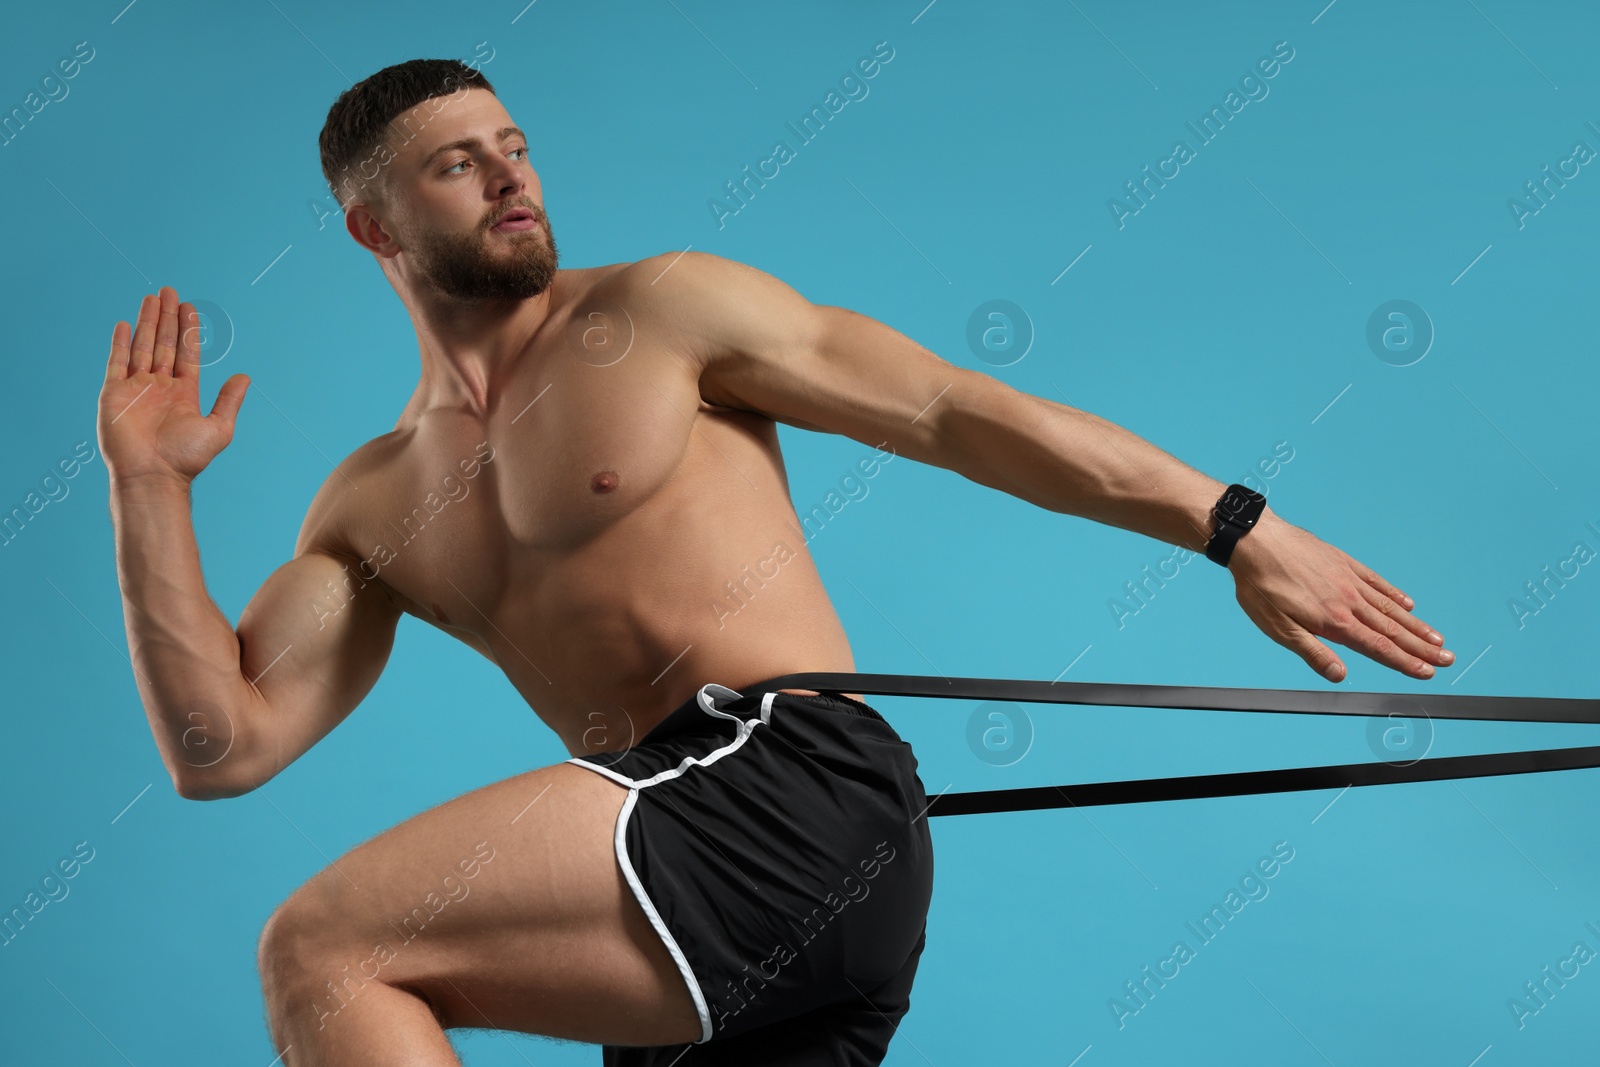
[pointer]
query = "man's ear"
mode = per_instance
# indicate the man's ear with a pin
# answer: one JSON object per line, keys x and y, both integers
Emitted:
{"x": 368, "y": 231}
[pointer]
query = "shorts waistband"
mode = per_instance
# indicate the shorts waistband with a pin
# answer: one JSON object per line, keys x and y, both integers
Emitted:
{"x": 690, "y": 715}
{"x": 829, "y": 697}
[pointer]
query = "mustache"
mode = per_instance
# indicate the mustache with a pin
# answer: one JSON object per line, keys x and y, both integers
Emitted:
{"x": 534, "y": 209}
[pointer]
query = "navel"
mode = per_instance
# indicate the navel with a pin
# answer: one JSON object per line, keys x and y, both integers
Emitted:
{"x": 605, "y": 481}
{"x": 439, "y": 614}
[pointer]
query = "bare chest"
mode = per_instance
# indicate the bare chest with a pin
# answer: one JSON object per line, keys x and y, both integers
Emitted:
{"x": 579, "y": 474}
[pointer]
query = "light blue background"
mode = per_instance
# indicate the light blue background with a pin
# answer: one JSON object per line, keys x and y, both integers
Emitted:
{"x": 1214, "y": 323}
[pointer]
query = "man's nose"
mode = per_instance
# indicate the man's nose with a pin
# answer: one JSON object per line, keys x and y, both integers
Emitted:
{"x": 506, "y": 179}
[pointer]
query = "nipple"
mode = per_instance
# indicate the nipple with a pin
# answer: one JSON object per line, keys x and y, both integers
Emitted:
{"x": 605, "y": 481}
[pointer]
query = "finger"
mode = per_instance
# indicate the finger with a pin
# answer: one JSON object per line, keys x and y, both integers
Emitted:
{"x": 229, "y": 397}
{"x": 117, "y": 364}
{"x": 188, "y": 365}
{"x": 1377, "y": 581}
{"x": 1380, "y": 638}
{"x": 144, "y": 335}
{"x": 1432, "y": 649}
{"x": 1318, "y": 656}
{"x": 1420, "y": 650}
{"x": 166, "y": 332}
{"x": 1284, "y": 630}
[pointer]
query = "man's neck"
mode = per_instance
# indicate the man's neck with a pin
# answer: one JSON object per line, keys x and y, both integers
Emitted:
{"x": 469, "y": 348}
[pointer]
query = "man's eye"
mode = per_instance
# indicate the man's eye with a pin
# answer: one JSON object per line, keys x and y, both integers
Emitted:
{"x": 451, "y": 169}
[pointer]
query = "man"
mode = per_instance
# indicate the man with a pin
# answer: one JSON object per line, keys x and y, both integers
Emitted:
{"x": 587, "y": 488}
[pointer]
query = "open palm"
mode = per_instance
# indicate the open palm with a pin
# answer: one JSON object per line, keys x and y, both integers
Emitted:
{"x": 149, "y": 419}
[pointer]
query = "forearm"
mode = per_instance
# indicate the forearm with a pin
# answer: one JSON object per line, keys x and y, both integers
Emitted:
{"x": 1292, "y": 585}
{"x": 1074, "y": 462}
{"x": 185, "y": 653}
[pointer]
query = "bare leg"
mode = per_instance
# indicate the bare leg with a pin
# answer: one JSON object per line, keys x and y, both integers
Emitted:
{"x": 503, "y": 908}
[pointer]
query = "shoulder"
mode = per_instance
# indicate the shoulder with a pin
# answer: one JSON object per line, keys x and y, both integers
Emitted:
{"x": 692, "y": 279}
{"x": 712, "y": 305}
{"x": 684, "y": 269}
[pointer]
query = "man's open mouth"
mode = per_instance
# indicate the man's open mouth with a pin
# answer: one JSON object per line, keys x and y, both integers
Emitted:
{"x": 516, "y": 219}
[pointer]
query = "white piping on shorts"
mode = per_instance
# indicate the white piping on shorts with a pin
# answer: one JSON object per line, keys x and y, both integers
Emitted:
{"x": 745, "y": 728}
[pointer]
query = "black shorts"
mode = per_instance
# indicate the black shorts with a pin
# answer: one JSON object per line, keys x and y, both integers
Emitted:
{"x": 779, "y": 845}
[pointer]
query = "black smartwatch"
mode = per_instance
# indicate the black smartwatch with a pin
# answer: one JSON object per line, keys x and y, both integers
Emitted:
{"x": 1236, "y": 513}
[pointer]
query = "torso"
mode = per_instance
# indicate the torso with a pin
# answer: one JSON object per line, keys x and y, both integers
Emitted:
{"x": 602, "y": 533}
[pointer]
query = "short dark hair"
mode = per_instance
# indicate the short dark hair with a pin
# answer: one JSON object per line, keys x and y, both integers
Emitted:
{"x": 362, "y": 117}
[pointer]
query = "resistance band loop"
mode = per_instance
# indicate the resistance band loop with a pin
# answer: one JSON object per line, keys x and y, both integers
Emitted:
{"x": 1216, "y": 698}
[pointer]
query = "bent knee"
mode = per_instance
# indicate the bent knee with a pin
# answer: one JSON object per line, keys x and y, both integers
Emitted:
{"x": 305, "y": 935}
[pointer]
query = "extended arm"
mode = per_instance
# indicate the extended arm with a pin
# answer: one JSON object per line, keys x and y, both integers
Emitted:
{"x": 228, "y": 709}
{"x": 765, "y": 348}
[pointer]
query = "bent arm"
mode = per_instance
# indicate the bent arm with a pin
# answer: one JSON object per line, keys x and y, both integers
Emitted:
{"x": 229, "y": 709}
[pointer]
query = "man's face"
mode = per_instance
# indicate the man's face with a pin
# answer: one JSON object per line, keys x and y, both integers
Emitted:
{"x": 460, "y": 167}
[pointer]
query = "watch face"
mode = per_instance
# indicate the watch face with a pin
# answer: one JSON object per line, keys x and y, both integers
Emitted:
{"x": 1234, "y": 501}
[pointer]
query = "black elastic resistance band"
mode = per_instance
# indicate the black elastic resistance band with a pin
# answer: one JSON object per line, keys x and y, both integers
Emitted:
{"x": 1217, "y": 698}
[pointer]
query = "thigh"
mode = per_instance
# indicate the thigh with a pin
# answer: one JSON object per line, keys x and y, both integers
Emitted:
{"x": 503, "y": 908}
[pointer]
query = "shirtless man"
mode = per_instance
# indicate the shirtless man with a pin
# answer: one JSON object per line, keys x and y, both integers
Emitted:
{"x": 588, "y": 468}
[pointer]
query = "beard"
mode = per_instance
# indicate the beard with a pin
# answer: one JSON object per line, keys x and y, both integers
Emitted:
{"x": 470, "y": 267}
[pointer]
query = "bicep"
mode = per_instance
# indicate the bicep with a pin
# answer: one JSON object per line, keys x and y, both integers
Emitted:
{"x": 312, "y": 643}
{"x": 867, "y": 380}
